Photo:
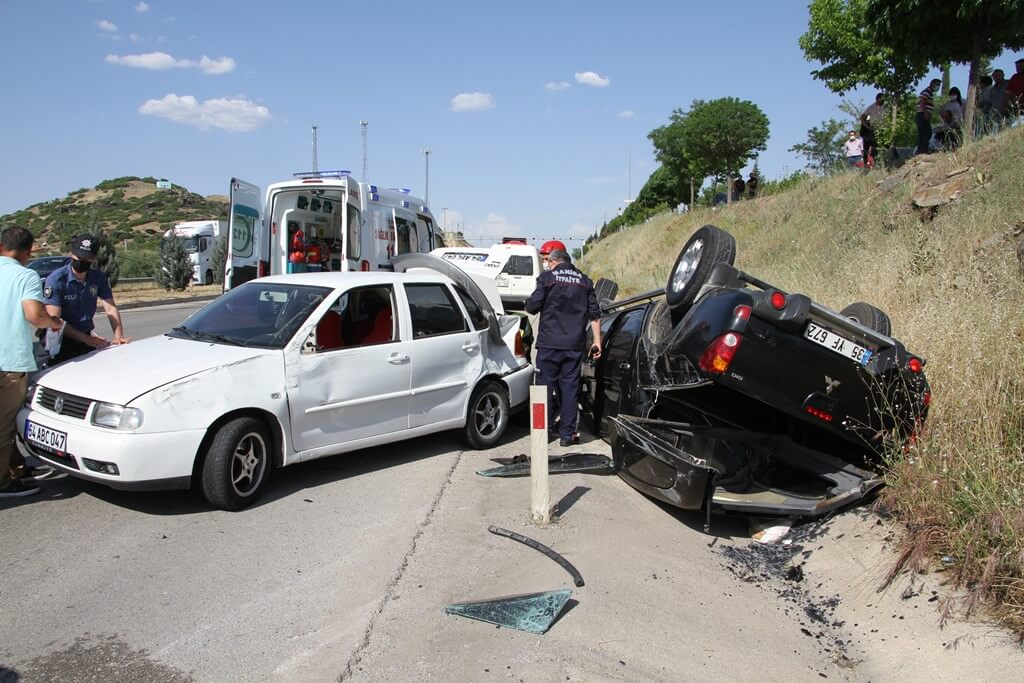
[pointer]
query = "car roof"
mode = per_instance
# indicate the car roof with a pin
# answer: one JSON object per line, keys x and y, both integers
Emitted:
{"x": 354, "y": 278}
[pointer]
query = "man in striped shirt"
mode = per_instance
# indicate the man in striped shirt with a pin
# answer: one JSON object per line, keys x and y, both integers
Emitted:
{"x": 925, "y": 104}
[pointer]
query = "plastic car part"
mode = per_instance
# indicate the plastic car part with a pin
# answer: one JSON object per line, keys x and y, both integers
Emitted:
{"x": 577, "y": 578}
{"x": 587, "y": 463}
{"x": 531, "y": 612}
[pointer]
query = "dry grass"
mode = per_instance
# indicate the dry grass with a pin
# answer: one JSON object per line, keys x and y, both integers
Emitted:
{"x": 130, "y": 293}
{"x": 951, "y": 282}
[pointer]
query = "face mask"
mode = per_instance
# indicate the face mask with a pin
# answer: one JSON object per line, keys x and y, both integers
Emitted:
{"x": 80, "y": 266}
{"x": 547, "y": 265}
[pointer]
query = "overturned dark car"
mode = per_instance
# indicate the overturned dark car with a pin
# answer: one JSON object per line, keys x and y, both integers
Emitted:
{"x": 724, "y": 393}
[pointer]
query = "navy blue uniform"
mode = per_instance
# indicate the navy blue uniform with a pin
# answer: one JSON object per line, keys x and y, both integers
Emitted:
{"x": 565, "y": 298}
{"x": 77, "y": 301}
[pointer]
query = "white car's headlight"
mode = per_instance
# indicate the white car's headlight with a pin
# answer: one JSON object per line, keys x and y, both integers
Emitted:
{"x": 116, "y": 417}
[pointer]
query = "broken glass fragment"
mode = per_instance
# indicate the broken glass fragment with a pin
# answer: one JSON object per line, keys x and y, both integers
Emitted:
{"x": 531, "y": 612}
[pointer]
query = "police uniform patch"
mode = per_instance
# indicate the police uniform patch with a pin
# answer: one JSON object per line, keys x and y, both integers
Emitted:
{"x": 48, "y": 292}
{"x": 93, "y": 289}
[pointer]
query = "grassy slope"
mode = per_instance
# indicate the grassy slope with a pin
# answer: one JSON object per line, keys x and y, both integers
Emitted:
{"x": 951, "y": 284}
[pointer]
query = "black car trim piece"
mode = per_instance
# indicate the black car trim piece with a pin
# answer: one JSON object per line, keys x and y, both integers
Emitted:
{"x": 577, "y": 578}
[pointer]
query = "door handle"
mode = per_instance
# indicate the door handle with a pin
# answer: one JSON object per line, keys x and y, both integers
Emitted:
{"x": 398, "y": 358}
{"x": 470, "y": 346}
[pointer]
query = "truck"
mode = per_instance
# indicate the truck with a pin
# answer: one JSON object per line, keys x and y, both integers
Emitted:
{"x": 200, "y": 241}
{"x": 322, "y": 221}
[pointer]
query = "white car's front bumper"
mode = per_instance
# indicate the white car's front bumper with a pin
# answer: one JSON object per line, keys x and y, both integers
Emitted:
{"x": 162, "y": 460}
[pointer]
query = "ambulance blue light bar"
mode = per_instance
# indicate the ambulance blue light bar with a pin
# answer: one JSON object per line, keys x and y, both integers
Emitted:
{"x": 403, "y": 190}
{"x": 374, "y": 197}
{"x": 405, "y": 204}
{"x": 373, "y": 188}
{"x": 322, "y": 174}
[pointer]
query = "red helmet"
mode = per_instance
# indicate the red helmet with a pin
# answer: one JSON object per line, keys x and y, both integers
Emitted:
{"x": 551, "y": 245}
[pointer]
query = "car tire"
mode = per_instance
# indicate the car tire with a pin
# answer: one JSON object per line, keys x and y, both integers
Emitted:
{"x": 237, "y": 464}
{"x": 486, "y": 415}
{"x": 869, "y": 316}
{"x": 705, "y": 249}
{"x": 605, "y": 290}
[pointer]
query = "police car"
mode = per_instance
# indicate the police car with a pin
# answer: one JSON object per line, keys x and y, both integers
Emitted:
{"x": 280, "y": 370}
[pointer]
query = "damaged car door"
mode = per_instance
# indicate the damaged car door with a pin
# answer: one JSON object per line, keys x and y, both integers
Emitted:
{"x": 351, "y": 378}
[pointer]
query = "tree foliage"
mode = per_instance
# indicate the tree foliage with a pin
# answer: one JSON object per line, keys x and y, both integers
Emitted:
{"x": 220, "y": 252}
{"x": 824, "y": 147}
{"x": 719, "y": 137}
{"x": 838, "y": 38}
{"x": 175, "y": 269}
{"x": 965, "y": 32}
{"x": 106, "y": 256}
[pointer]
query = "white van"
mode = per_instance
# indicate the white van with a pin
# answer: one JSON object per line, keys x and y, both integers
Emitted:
{"x": 323, "y": 220}
{"x": 514, "y": 266}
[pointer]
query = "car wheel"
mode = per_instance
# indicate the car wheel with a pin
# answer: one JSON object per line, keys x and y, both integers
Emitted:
{"x": 605, "y": 290}
{"x": 487, "y": 415}
{"x": 209, "y": 277}
{"x": 237, "y": 464}
{"x": 705, "y": 249}
{"x": 869, "y": 316}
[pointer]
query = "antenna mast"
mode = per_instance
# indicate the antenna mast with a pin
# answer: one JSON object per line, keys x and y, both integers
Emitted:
{"x": 426, "y": 176}
{"x": 315, "y": 167}
{"x": 363, "y": 125}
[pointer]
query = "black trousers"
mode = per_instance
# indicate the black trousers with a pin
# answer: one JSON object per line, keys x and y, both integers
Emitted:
{"x": 924, "y": 131}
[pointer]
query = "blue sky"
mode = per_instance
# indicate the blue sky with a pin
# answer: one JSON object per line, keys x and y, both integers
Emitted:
{"x": 532, "y": 111}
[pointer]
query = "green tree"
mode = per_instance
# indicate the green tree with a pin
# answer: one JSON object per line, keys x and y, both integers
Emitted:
{"x": 106, "y": 256}
{"x": 669, "y": 152}
{"x": 719, "y": 137}
{"x": 175, "y": 269}
{"x": 964, "y": 32}
{"x": 824, "y": 147}
{"x": 837, "y": 38}
{"x": 220, "y": 257}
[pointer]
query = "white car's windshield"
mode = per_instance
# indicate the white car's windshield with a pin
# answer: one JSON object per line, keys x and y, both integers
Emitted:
{"x": 256, "y": 314}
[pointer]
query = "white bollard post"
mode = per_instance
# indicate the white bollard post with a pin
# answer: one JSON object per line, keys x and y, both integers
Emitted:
{"x": 540, "y": 494}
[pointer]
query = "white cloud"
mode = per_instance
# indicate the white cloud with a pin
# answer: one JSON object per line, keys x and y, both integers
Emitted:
{"x": 235, "y": 115}
{"x": 496, "y": 225}
{"x": 591, "y": 78}
{"x": 473, "y": 101}
{"x": 159, "y": 61}
{"x": 135, "y": 37}
{"x": 216, "y": 66}
{"x": 142, "y": 8}
{"x": 155, "y": 61}
{"x": 556, "y": 86}
{"x": 105, "y": 25}
{"x": 627, "y": 114}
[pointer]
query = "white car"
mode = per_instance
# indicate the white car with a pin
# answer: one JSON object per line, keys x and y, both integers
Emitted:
{"x": 280, "y": 370}
{"x": 514, "y": 267}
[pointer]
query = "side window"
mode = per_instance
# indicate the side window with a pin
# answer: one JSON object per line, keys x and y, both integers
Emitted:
{"x": 360, "y": 317}
{"x": 433, "y": 311}
{"x": 353, "y": 218}
{"x": 626, "y": 332}
{"x": 406, "y": 231}
{"x": 476, "y": 314}
{"x": 518, "y": 265}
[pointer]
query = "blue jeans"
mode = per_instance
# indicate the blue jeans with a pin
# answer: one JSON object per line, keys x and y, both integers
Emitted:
{"x": 557, "y": 368}
{"x": 854, "y": 160}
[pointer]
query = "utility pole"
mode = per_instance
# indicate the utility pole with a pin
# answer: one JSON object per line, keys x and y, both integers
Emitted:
{"x": 629, "y": 173}
{"x": 363, "y": 125}
{"x": 426, "y": 176}
{"x": 315, "y": 167}
{"x": 444, "y": 219}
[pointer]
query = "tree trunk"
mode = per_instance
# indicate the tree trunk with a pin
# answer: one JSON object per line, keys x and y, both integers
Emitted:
{"x": 972, "y": 92}
{"x": 728, "y": 188}
{"x": 691, "y": 191}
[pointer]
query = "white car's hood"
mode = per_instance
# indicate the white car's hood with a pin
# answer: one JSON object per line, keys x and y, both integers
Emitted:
{"x": 117, "y": 374}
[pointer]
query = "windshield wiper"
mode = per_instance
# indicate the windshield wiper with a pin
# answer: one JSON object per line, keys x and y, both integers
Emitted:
{"x": 199, "y": 335}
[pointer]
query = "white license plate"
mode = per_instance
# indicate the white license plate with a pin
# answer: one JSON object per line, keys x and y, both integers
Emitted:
{"x": 841, "y": 345}
{"x": 48, "y": 439}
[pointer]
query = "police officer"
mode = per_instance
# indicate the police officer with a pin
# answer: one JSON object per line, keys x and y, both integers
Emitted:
{"x": 565, "y": 298}
{"x": 71, "y": 293}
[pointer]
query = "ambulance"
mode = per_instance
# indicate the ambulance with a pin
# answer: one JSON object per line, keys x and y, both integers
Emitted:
{"x": 322, "y": 220}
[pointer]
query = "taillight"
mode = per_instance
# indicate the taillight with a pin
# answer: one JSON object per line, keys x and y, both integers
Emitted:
{"x": 926, "y": 398}
{"x": 719, "y": 354}
{"x": 262, "y": 268}
{"x": 915, "y": 365}
{"x": 364, "y": 266}
{"x": 778, "y": 300}
{"x": 741, "y": 312}
{"x": 520, "y": 349}
{"x": 818, "y": 413}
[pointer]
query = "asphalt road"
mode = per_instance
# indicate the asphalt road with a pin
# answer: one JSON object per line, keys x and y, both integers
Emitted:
{"x": 147, "y": 322}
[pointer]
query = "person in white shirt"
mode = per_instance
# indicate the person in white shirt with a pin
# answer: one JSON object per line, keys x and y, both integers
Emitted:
{"x": 854, "y": 147}
{"x": 955, "y": 106}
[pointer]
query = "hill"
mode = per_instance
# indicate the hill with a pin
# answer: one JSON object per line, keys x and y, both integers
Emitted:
{"x": 950, "y": 279}
{"x": 128, "y": 208}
